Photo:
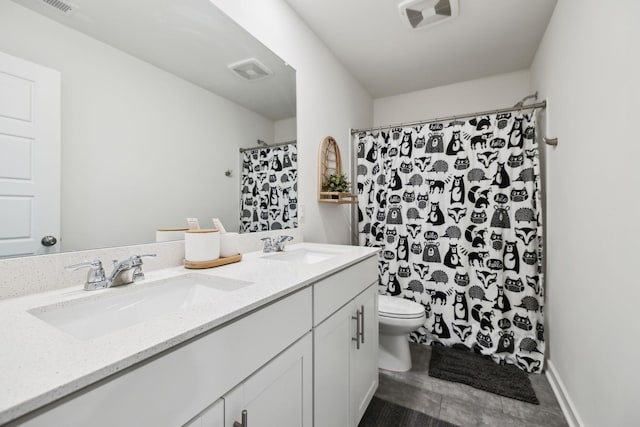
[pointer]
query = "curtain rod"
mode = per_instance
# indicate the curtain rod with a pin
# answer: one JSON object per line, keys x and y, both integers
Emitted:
{"x": 541, "y": 105}
{"x": 242, "y": 150}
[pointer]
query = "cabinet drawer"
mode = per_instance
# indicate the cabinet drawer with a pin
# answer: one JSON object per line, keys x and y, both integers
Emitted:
{"x": 169, "y": 390}
{"x": 335, "y": 291}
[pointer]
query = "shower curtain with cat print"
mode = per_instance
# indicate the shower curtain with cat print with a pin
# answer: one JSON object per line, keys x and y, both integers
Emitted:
{"x": 455, "y": 207}
{"x": 269, "y": 189}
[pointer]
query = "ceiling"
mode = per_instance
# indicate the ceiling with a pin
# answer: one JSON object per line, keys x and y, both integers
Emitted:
{"x": 192, "y": 39}
{"x": 488, "y": 37}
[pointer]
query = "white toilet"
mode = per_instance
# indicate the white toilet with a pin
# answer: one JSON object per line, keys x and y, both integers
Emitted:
{"x": 397, "y": 317}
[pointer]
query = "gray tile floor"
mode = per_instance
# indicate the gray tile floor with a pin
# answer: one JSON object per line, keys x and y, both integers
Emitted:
{"x": 464, "y": 405}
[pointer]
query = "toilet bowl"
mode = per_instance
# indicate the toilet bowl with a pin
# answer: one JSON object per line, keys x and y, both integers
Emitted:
{"x": 397, "y": 317}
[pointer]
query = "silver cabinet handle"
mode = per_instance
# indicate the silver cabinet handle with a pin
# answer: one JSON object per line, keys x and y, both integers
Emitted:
{"x": 362, "y": 323}
{"x": 244, "y": 420}
{"x": 357, "y": 337}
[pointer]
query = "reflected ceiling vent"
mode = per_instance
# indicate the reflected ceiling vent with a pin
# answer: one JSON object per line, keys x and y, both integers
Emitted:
{"x": 418, "y": 14}
{"x": 61, "y": 6}
{"x": 250, "y": 69}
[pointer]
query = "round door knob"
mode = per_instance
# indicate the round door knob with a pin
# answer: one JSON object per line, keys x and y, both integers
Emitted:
{"x": 48, "y": 241}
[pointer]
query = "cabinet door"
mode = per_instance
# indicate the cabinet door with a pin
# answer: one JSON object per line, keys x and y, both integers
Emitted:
{"x": 332, "y": 351}
{"x": 277, "y": 395}
{"x": 213, "y": 416}
{"x": 364, "y": 361}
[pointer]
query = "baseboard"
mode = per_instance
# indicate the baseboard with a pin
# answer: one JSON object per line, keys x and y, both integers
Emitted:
{"x": 566, "y": 404}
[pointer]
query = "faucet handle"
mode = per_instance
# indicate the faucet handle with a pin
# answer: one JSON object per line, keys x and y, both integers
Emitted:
{"x": 268, "y": 244}
{"x": 137, "y": 259}
{"x": 281, "y": 240}
{"x": 96, "y": 263}
{"x": 96, "y": 278}
{"x": 136, "y": 262}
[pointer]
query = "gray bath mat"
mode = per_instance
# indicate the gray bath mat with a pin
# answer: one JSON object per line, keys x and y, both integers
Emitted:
{"x": 481, "y": 372}
{"x": 382, "y": 413}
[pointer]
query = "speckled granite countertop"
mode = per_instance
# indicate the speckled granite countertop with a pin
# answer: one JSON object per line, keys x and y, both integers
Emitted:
{"x": 40, "y": 364}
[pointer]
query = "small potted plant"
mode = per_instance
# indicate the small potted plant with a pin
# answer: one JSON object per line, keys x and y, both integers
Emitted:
{"x": 337, "y": 183}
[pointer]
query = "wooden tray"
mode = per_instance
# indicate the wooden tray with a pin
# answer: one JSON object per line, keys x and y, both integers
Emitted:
{"x": 215, "y": 263}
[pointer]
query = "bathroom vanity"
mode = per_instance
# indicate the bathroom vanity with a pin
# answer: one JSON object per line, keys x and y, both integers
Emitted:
{"x": 282, "y": 339}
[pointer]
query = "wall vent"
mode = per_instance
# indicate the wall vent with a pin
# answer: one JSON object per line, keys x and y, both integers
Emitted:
{"x": 250, "y": 69}
{"x": 61, "y": 6}
{"x": 418, "y": 14}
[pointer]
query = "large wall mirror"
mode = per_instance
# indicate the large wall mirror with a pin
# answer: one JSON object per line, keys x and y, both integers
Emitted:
{"x": 157, "y": 99}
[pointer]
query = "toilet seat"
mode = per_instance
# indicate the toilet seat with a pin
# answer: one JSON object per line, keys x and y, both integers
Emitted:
{"x": 398, "y": 308}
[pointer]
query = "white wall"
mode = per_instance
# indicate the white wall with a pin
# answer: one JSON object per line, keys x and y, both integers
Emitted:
{"x": 499, "y": 91}
{"x": 588, "y": 67}
{"x": 284, "y": 130}
{"x": 141, "y": 148}
{"x": 330, "y": 101}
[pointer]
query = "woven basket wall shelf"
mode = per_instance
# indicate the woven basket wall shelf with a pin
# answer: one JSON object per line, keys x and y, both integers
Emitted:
{"x": 330, "y": 163}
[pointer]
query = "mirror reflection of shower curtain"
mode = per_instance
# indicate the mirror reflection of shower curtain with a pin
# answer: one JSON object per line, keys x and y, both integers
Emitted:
{"x": 455, "y": 208}
{"x": 269, "y": 189}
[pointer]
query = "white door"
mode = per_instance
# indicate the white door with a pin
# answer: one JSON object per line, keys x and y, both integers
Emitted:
{"x": 29, "y": 157}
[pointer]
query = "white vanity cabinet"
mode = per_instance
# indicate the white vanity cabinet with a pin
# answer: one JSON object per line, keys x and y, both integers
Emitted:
{"x": 238, "y": 358}
{"x": 345, "y": 345}
{"x": 307, "y": 357}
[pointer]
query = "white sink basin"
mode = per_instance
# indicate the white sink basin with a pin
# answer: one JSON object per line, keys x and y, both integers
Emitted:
{"x": 304, "y": 256}
{"x": 118, "y": 308}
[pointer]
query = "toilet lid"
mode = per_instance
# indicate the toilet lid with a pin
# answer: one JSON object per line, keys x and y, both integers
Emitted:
{"x": 389, "y": 306}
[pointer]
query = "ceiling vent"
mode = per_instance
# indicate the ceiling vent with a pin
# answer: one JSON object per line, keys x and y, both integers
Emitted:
{"x": 61, "y": 6}
{"x": 418, "y": 14}
{"x": 250, "y": 69}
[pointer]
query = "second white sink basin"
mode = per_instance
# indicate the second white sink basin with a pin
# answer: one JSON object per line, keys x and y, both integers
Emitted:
{"x": 303, "y": 255}
{"x": 116, "y": 309}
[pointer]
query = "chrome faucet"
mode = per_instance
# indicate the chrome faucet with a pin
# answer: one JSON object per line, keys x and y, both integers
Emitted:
{"x": 124, "y": 272}
{"x": 275, "y": 245}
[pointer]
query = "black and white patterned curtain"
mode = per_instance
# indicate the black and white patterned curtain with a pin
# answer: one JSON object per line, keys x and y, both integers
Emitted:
{"x": 455, "y": 208}
{"x": 269, "y": 189}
